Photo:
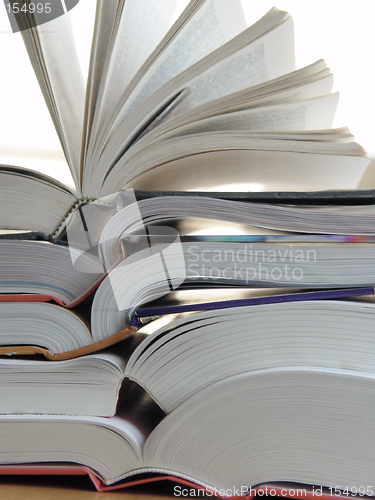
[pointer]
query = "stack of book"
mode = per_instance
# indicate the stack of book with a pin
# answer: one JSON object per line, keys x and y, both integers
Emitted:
{"x": 271, "y": 376}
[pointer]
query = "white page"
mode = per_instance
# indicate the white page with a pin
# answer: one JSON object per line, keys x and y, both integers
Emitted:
{"x": 306, "y": 425}
{"x": 104, "y": 22}
{"x": 199, "y": 36}
{"x": 183, "y": 112}
{"x": 141, "y": 27}
{"x": 205, "y": 32}
{"x": 218, "y": 79}
{"x": 52, "y": 50}
{"x": 312, "y": 114}
{"x": 256, "y": 171}
{"x": 80, "y": 439}
{"x": 268, "y": 57}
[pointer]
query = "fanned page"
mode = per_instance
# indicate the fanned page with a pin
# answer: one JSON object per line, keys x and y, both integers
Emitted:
{"x": 295, "y": 171}
{"x": 104, "y": 23}
{"x": 155, "y": 116}
{"x": 51, "y": 50}
{"x": 200, "y": 30}
{"x": 286, "y": 102}
{"x": 311, "y": 114}
{"x": 138, "y": 27}
{"x": 240, "y": 63}
{"x": 211, "y": 26}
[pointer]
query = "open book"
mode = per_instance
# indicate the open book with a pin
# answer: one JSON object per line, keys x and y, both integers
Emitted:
{"x": 258, "y": 262}
{"x": 282, "y": 402}
{"x": 192, "y": 352}
{"x": 203, "y": 103}
{"x": 89, "y": 385}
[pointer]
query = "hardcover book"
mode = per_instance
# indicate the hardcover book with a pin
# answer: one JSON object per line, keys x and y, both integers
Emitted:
{"x": 178, "y": 108}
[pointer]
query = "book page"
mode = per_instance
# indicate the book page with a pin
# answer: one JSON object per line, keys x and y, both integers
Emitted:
{"x": 255, "y": 171}
{"x": 308, "y": 425}
{"x": 184, "y": 112}
{"x": 210, "y": 28}
{"x": 242, "y": 62}
{"x": 171, "y": 351}
{"x": 141, "y": 27}
{"x": 75, "y": 439}
{"x": 306, "y": 83}
{"x": 51, "y": 50}
{"x": 198, "y": 35}
{"x": 104, "y": 22}
{"x": 312, "y": 114}
{"x": 267, "y": 58}
{"x": 42, "y": 205}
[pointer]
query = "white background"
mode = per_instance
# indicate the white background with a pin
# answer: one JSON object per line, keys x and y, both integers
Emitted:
{"x": 341, "y": 32}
